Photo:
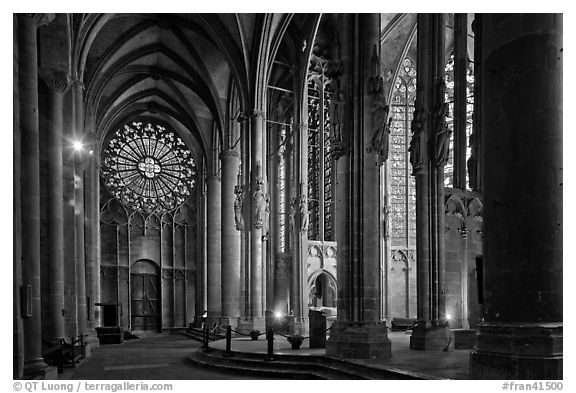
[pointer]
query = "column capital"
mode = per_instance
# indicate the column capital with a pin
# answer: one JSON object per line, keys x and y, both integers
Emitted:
{"x": 56, "y": 81}
{"x": 229, "y": 154}
{"x": 40, "y": 19}
{"x": 77, "y": 83}
{"x": 258, "y": 113}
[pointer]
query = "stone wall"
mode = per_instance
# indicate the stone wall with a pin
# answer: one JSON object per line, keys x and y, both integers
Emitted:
{"x": 463, "y": 244}
{"x": 169, "y": 241}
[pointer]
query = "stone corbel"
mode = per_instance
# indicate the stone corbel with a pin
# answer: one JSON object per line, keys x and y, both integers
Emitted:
{"x": 56, "y": 81}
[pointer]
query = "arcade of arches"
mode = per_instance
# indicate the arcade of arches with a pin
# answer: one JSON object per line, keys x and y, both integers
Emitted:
{"x": 381, "y": 168}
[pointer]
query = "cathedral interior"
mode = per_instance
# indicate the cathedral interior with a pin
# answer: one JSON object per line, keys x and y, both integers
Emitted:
{"x": 176, "y": 172}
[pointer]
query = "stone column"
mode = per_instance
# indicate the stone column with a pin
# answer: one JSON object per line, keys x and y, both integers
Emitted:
{"x": 34, "y": 366}
{"x": 92, "y": 220}
{"x": 57, "y": 85}
{"x": 297, "y": 201}
{"x": 79, "y": 218}
{"x": 359, "y": 331}
{"x": 257, "y": 202}
{"x": 213, "y": 247}
{"x": 431, "y": 331}
{"x": 230, "y": 238}
{"x": 522, "y": 333}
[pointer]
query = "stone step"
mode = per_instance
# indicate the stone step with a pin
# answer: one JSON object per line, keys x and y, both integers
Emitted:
{"x": 271, "y": 369}
{"x": 300, "y": 367}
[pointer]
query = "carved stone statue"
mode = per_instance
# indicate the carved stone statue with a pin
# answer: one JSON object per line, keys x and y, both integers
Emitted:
{"x": 266, "y": 222}
{"x": 292, "y": 215}
{"x": 443, "y": 132}
{"x": 259, "y": 203}
{"x": 375, "y": 82}
{"x": 238, "y": 218}
{"x": 336, "y": 114}
{"x": 380, "y": 129}
{"x": 415, "y": 147}
{"x": 387, "y": 209}
{"x": 303, "y": 213}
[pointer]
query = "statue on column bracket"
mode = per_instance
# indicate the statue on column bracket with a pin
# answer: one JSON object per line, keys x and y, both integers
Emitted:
{"x": 375, "y": 82}
{"x": 238, "y": 217}
{"x": 418, "y": 141}
{"x": 443, "y": 132}
{"x": 303, "y": 213}
{"x": 336, "y": 109}
{"x": 380, "y": 129}
{"x": 259, "y": 198}
{"x": 292, "y": 214}
{"x": 386, "y": 211}
{"x": 266, "y": 222}
{"x": 472, "y": 162}
{"x": 336, "y": 115}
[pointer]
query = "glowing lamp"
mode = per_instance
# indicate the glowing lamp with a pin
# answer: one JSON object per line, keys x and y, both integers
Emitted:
{"x": 77, "y": 145}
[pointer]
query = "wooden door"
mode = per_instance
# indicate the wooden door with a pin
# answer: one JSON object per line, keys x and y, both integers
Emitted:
{"x": 145, "y": 301}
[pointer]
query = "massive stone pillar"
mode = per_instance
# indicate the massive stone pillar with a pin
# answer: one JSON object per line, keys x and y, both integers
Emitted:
{"x": 359, "y": 332}
{"x": 430, "y": 135}
{"x": 521, "y": 336}
{"x": 213, "y": 247}
{"x": 57, "y": 85}
{"x": 18, "y": 339}
{"x": 34, "y": 366}
{"x": 230, "y": 237}
{"x": 258, "y": 216}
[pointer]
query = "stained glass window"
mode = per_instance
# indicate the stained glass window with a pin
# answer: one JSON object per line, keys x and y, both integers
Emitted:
{"x": 148, "y": 167}
{"x": 320, "y": 168}
{"x": 282, "y": 203}
{"x": 402, "y": 186}
{"x": 449, "y": 98}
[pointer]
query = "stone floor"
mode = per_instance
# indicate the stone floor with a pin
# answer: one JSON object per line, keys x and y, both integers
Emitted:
{"x": 160, "y": 357}
{"x": 164, "y": 357}
{"x": 438, "y": 364}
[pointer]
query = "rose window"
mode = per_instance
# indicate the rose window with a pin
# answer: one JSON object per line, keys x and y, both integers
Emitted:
{"x": 148, "y": 168}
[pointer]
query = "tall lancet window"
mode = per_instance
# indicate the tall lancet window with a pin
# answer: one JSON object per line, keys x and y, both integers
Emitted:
{"x": 320, "y": 173}
{"x": 459, "y": 94}
{"x": 283, "y": 132}
{"x": 402, "y": 186}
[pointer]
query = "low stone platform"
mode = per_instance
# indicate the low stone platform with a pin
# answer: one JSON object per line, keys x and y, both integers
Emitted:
{"x": 306, "y": 363}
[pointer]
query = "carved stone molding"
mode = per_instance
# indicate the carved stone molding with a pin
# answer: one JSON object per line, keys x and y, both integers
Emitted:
{"x": 339, "y": 150}
{"x": 190, "y": 275}
{"x": 229, "y": 154}
{"x": 179, "y": 274}
{"x": 107, "y": 271}
{"x": 258, "y": 113}
{"x": 242, "y": 118}
{"x": 213, "y": 178}
{"x": 123, "y": 272}
{"x": 41, "y": 19}
{"x": 168, "y": 274}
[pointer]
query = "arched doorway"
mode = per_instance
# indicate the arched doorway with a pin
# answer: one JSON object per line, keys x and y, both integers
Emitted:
{"x": 323, "y": 291}
{"x": 145, "y": 296}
